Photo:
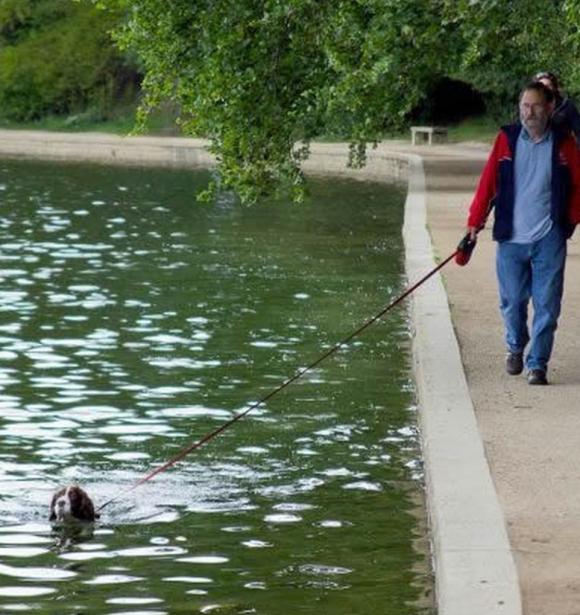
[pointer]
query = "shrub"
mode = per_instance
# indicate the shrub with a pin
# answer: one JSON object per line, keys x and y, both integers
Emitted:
{"x": 58, "y": 58}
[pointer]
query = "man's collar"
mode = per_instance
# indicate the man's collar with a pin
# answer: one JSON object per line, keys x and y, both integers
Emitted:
{"x": 526, "y": 135}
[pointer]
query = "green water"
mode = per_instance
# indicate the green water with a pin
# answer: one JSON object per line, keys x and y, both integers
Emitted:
{"x": 133, "y": 320}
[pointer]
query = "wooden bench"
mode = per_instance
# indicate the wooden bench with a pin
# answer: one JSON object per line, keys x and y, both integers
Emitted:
{"x": 429, "y": 132}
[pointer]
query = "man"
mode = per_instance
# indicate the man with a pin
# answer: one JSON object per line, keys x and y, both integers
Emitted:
{"x": 532, "y": 178}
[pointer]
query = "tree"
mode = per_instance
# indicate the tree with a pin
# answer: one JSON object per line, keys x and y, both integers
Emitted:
{"x": 505, "y": 43}
{"x": 258, "y": 77}
{"x": 572, "y": 40}
{"x": 57, "y": 57}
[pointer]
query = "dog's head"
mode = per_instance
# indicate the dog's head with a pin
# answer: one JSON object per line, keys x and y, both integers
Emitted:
{"x": 72, "y": 502}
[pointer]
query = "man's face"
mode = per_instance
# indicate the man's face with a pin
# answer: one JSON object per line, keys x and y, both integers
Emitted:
{"x": 534, "y": 112}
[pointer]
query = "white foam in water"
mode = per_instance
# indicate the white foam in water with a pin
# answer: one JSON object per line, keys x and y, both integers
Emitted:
{"x": 192, "y": 580}
{"x": 363, "y": 486}
{"x": 282, "y": 518}
{"x": 112, "y": 579}
{"x": 26, "y": 592}
{"x": 29, "y": 572}
{"x": 204, "y": 559}
{"x": 257, "y": 544}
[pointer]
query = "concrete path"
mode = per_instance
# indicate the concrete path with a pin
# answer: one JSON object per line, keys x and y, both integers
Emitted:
{"x": 531, "y": 434}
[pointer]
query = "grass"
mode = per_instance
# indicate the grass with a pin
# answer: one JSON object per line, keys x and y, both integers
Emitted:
{"x": 162, "y": 123}
{"x": 482, "y": 129}
{"x": 122, "y": 122}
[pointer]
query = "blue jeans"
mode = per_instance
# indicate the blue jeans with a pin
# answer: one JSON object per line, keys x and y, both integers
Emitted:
{"x": 532, "y": 271}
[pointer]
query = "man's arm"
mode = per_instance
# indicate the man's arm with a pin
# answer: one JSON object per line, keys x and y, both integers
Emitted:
{"x": 487, "y": 187}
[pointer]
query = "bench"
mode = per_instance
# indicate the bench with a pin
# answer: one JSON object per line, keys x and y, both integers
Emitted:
{"x": 429, "y": 132}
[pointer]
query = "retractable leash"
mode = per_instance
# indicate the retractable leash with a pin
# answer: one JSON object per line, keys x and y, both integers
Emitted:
{"x": 461, "y": 255}
{"x": 464, "y": 249}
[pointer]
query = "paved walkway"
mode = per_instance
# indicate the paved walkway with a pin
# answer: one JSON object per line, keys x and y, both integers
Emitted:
{"x": 531, "y": 434}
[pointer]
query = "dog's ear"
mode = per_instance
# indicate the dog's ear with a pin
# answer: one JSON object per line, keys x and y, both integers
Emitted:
{"x": 86, "y": 508}
{"x": 52, "y": 516}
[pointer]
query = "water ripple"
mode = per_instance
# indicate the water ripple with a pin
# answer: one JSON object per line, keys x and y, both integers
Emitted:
{"x": 134, "y": 322}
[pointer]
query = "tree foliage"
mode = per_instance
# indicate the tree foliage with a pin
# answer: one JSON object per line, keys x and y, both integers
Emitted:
{"x": 258, "y": 77}
{"x": 56, "y": 57}
{"x": 572, "y": 40}
{"x": 504, "y": 43}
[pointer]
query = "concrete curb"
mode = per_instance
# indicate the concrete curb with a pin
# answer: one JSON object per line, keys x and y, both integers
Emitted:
{"x": 475, "y": 571}
{"x": 105, "y": 149}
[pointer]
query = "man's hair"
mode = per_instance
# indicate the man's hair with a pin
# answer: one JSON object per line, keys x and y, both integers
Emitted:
{"x": 537, "y": 86}
{"x": 550, "y": 77}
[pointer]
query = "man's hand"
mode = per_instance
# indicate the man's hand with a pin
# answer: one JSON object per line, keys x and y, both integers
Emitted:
{"x": 465, "y": 247}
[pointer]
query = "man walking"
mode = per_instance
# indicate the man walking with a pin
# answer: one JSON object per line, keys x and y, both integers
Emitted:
{"x": 532, "y": 179}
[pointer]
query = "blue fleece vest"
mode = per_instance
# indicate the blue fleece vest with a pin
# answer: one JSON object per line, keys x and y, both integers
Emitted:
{"x": 504, "y": 199}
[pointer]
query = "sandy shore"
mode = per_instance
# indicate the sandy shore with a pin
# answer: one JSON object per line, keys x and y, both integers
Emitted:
{"x": 526, "y": 438}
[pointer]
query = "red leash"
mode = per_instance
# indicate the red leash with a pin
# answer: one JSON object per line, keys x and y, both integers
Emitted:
{"x": 461, "y": 255}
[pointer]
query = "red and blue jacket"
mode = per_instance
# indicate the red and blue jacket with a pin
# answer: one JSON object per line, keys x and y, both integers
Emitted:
{"x": 496, "y": 184}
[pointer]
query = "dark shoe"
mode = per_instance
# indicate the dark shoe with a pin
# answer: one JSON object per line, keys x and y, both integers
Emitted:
{"x": 514, "y": 363}
{"x": 537, "y": 376}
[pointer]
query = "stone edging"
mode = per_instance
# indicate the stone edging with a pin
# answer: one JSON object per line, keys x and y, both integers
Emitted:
{"x": 475, "y": 571}
{"x": 105, "y": 149}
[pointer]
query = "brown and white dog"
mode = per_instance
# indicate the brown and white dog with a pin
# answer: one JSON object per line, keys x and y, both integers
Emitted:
{"x": 72, "y": 502}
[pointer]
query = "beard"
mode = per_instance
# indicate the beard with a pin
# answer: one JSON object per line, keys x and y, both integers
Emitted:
{"x": 536, "y": 124}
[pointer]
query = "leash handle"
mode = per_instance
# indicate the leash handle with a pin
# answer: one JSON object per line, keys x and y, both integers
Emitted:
{"x": 465, "y": 249}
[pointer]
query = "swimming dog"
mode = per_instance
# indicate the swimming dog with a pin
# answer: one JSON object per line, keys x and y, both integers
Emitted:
{"x": 70, "y": 503}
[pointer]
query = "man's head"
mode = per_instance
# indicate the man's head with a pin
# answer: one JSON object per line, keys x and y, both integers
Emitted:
{"x": 549, "y": 80}
{"x": 536, "y": 106}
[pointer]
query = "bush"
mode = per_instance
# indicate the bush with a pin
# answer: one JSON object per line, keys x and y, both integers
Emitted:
{"x": 58, "y": 58}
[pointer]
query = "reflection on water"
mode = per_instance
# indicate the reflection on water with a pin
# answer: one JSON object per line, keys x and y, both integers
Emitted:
{"x": 134, "y": 320}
